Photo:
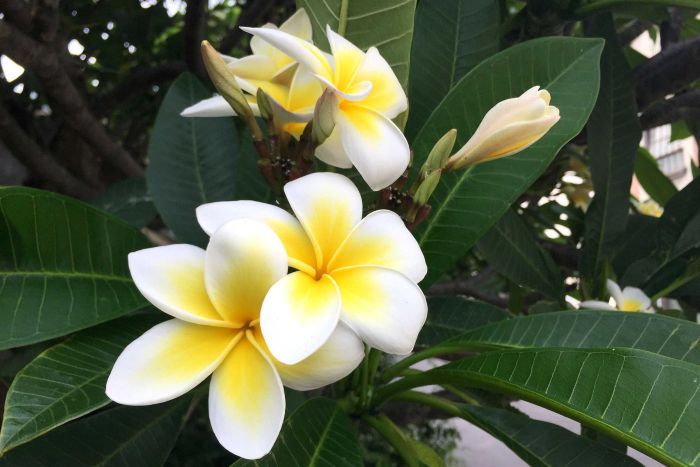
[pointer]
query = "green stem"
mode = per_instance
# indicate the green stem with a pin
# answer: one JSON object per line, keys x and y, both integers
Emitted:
{"x": 364, "y": 376}
{"x": 396, "y": 369}
{"x": 461, "y": 394}
{"x": 394, "y": 436}
{"x": 605, "y": 4}
{"x": 343, "y": 17}
{"x": 433, "y": 401}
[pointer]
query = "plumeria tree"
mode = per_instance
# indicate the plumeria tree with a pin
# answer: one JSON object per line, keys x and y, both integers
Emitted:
{"x": 372, "y": 216}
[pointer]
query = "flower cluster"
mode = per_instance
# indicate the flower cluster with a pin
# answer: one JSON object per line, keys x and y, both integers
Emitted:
{"x": 238, "y": 313}
{"x": 627, "y": 299}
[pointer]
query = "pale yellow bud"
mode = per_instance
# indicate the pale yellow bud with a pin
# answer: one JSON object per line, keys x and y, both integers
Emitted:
{"x": 324, "y": 116}
{"x": 509, "y": 127}
{"x": 426, "y": 188}
{"x": 225, "y": 81}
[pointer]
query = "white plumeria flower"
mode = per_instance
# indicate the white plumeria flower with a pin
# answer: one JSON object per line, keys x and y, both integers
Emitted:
{"x": 293, "y": 89}
{"x": 215, "y": 297}
{"x": 627, "y": 299}
{"x": 369, "y": 96}
{"x": 361, "y": 271}
{"x": 509, "y": 127}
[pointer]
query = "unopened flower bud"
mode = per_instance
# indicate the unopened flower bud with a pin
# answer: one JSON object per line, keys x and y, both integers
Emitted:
{"x": 324, "y": 119}
{"x": 426, "y": 188}
{"x": 264, "y": 105}
{"x": 225, "y": 81}
{"x": 440, "y": 152}
{"x": 509, "y": 127}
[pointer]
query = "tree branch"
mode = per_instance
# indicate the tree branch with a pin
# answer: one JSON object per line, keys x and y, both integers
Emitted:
{"x": 193, "y": 33}
{"x": 684, "y": 106}
{"x": 26, "y": 150}
{"x": 46, "y": 65}
{"x": 465, "y": 287}
{"x": 668, "y": 72}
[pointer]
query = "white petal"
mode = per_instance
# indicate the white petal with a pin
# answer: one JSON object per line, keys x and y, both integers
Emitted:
{"x": 376, "y": 146}
{"x": 383, "y": 306}
{"x": 633, "y": 299}
{"x": 337, "y": 358}
{"x": 246, "y": 402}
{"x": 328, "y": 206}
{"x": 614, "y": 290}
{"x": 213, "y": 107}
{"x": 346, "y": 59}
{"x": 256, "y": 67}
{"x": 382, "y": 239}
{"x": 172, "y": 278}
{"x": 244, "y": 258}
{"x": 332, "y": 151}
{"x": 387, "y": 96}
{"x": 299, "y": 315}
{"x": 299, "y": 249}
{"x": 167, "y": 361}
{"x": 354, "y": 93}
{"x": 298, "y": 25}
{"x": 596, "y": 305}
{"x": 298, "y": 49}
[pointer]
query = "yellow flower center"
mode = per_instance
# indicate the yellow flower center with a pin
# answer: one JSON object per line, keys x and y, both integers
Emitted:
{"x": 630, "y": 304}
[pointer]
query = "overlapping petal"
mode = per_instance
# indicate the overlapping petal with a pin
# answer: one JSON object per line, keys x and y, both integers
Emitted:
{"x": 596, "y": 305}
{"x": 328, "y": 206}
{"x": 212, "y": 107}
{"x": 298, "y": 316}
{"x": 167, "y": 361}
{"x": 387, "y": 96}
{"x": 244, "y": 258}
{"x": 373, "y": 143}
{"x": 172, "y": 278}
{"x": 334, "y": 360}
{"x": 634, "y": 299}
{"x": 382, "y": 239}
{"x": 246, "y": 401}
{"x": 384, "y": 307}
{"x": 300, "y": 251}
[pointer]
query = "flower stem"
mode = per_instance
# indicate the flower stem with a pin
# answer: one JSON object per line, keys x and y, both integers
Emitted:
{"x": 393, "y": 434}
{"x": 396, "y": 369}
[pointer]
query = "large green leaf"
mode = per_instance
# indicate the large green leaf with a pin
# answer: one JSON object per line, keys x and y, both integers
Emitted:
{"x": 467, "y": 203}
{"x": 451, "y": 37}
{"x": 654, "y": 182}
{"x": 386, "y": 25}
{"x": 129, "y": 200}
{"x": 645, "y": 400}
{"x": 123, "y": 436}
{"x": 317, "y": 433}
{"x": 66, "y": 381}
{"x": 193, "y": 161}
{"x": 540, "y": 443}
{"x": 512, "y": 249}
{"x": 63, "y": 266}
{"x": 613, "y": 138}
{"x": 671, "y": 337}
{"x": 452, "y": 316}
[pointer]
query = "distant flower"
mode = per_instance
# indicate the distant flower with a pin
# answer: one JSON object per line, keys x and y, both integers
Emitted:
{"x": 509, "y": 127}
{"x": 215, "y": 297}
{"x": 362, "y": 272}
{"x": 368, "y": 96}
{"x": 627, "y": 299}
{"x": 650, "y": 208}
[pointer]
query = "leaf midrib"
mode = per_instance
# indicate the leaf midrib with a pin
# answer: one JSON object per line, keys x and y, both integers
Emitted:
{"x": 66, "y": 275}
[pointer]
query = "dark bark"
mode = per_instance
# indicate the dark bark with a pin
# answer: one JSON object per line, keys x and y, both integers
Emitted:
{"x": 685, "y": 106}
{"x": 194, "y": 32}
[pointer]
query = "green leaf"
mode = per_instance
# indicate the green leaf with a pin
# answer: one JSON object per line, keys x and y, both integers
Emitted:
{"x": 63, "y": 266}
{"x": 128, "y": 200}
{"x": 193, "y": 161}
{"x": 452, "y": 316}
{"x": 637, "y": 242}
{"x": 467, "y": 203}
{"x": 613, "y": 138}
{"x": 66, "y": 381}
{"x": 543, "y": 444}
{"x": 654, "y": 182}
{"x": 671, "y": 337}
{"x": 512, "y": 249}
{"x": 386, "y": 25}
{"x": 451, "y": 37}
{"x": 647, "y": 401}
{"x": 123, "y": 436}
{"x": 317, "y": 433}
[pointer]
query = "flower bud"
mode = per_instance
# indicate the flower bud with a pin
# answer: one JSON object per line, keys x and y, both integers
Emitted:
{"x": 225, "y": 81}
{"x": 440, "y": 152}
{"x": 324, "y": 117}
{"x": 264, "y": 105}
{"x": 426, "y": 188}
{"x": 509, "y": 127}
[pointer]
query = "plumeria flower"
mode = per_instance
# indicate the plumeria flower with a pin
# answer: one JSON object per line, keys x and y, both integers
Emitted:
{"x": 215, "y": 297}
{"x": 627, "y": 299}
{"x": 369, "y": 96}
{"x": 509, "y": 127}
{"x": 362, "y": 272}
{"x": 293, "y": 89}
